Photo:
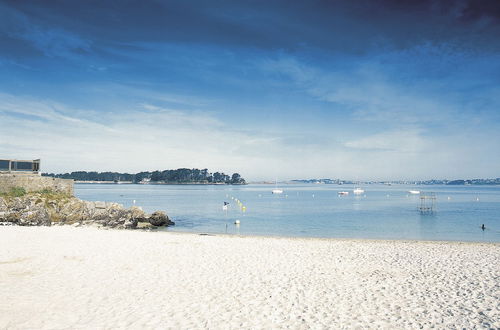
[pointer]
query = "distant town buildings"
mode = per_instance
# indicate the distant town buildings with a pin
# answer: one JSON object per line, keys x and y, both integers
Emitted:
{"x": 419, "y": 182}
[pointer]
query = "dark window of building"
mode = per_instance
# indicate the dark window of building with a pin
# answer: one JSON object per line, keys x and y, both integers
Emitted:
{"x": 4, "y": 165}
{"x": 24, "y": 166}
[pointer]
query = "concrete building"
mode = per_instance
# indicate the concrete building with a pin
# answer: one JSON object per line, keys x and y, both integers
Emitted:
{"x": 25, "y": 166}
{"x": 26, "y": 174}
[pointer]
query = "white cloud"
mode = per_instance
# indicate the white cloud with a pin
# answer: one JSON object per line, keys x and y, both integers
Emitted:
{"x": 141, "y": 138}
{"x": 401, "y": 129}
{"x": 402, "y": 141}
{"x": 148, "y": 137}
{"x": 366, "y": 93}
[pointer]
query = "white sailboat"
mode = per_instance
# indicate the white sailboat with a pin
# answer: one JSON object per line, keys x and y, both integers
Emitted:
{"x": 277, "y": 190}
{"x": 358, "y": 191}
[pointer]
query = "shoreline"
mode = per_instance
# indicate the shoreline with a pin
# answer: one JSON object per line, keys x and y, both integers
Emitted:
{"x": 269, "y": 183}
{"x": 318, "y": 238}
{"x": 162, "y": 183}
{"x": 167, "y": 230}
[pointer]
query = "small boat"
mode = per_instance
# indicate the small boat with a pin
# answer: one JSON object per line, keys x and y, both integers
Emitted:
{"x": 343, "y": 193}
{"x": 277, "y": 190}
{"x": 414, "y": 192}
{"x": 358, "y": 191}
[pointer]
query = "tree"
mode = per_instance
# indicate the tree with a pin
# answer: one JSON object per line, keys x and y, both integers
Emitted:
{"x": 237, "y": 179}
{"x": 180, "y": 175}
{"x": 156, "y": 176}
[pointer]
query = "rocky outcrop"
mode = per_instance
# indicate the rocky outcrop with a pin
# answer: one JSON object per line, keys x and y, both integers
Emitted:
{"x": 159, "y": 218}
{"x": 39, "y": 209}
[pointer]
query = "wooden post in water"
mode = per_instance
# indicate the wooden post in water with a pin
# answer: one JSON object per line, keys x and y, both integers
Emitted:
{"x": 427, "y": 202}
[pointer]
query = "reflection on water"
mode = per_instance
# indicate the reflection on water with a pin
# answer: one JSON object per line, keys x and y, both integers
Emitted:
{"x": 316, "y": 210}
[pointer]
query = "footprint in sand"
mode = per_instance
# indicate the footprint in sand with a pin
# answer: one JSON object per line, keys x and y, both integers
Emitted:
{"x": 20, "y": 273}
{"x": 73, "y": 258}
{"x": 13, "y": 261}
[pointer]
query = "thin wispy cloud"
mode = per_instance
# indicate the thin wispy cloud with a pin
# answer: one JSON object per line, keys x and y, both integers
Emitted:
{"x": 401, "y": 141}
{"x": 52, "y": 42}
{"x": 155, "y": 140}
{"x": 55, "y": 43}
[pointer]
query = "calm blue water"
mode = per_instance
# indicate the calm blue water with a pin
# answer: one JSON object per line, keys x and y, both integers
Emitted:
{"x": 383, "y": 212}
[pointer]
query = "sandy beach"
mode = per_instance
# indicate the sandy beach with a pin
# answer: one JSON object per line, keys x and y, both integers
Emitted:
{"x": 65, "y": 277}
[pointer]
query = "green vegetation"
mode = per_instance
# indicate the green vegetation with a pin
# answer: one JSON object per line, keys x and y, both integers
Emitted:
{"x": 46, "y": 194}
{"x": 14, "y": 192}
{"x": 181, "y": 175}
{"x": 45, "y": 191}
{"x": 50, "y": 194}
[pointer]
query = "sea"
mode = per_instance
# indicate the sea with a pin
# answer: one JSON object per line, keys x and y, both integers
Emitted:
{"x": 317, "y": 210}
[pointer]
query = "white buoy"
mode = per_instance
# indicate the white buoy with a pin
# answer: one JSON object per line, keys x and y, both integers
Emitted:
{"x": 237, "y": 222}
{"x": 133, "y": 201}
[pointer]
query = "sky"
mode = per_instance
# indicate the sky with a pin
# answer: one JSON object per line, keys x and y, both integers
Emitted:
{"x": 357, "y": 90}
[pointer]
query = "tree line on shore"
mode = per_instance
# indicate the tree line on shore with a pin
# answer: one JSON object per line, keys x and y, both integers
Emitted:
{"x": 181, "y": 175}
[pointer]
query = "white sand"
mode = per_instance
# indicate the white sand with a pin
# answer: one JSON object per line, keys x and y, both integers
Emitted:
{"x": 67, "y": 278}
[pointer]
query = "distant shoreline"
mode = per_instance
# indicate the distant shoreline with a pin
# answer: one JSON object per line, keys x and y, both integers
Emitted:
{"x": 293, "y": 182}
{"x": 161, "y": 183}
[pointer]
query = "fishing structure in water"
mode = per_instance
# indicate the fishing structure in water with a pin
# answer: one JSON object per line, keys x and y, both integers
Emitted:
{"x": 427, "y": 202}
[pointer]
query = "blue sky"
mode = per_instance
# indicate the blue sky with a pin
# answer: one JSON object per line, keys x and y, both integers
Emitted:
{"x": 270, "y": 89}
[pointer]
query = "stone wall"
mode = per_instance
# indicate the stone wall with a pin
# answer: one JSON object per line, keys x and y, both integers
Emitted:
{"x": 34, "y": 182}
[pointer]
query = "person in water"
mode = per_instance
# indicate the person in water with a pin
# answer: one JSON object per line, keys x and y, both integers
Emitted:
{"x": 482, "y": 226}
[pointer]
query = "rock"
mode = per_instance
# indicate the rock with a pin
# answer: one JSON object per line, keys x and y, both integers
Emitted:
{"x": 130, "y": 223}
{"x": 145, "y": 226}
{"x": 144, "y": 219}
{"x": 158, "y": 218}
{"x": 100, "y": 205}
{"x": 137, "y": 213}
{"x": 34, "y": 216}
{"x": 23, "y": 212}
{"x": 42, "y": 210}
{"x": 3, "y": 205}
